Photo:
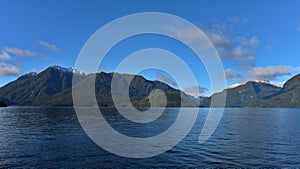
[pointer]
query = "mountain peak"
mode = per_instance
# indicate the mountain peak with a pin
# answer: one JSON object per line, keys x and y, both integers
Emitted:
{"x": 67, "y": 70}
{"x": 251, "y": 81}
{"x": 261, "y": 81}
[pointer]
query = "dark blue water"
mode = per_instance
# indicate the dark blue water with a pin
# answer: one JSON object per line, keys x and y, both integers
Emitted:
{"x": 53, "y": 137}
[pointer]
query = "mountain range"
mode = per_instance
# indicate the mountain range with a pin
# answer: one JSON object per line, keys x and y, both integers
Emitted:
{"x": 53, "y": 87}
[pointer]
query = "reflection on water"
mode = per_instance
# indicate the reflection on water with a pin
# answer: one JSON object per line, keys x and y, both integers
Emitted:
{"x": 52, "y": 137}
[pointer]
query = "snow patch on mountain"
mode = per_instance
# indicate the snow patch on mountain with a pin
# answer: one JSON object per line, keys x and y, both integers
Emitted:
{"x": 68, "y": 70}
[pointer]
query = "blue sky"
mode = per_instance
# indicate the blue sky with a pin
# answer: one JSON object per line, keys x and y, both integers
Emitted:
{"x": 256, "y": 40}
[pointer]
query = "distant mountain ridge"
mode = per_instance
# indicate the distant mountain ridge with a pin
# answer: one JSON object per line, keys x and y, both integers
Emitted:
{"x": 53, "y": 87}
{"x": 287, "y": 97}
{"x": 262, "y": 94}
{"x": 242, "y": 95}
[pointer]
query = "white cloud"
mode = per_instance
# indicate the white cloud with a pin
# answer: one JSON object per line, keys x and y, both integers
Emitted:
{"x": 49, "y": 46}
{"x": 231, "y": 74}
{"x": 298, "y": 26}
{"x": 240, "y": 52}
{"x": 243, "y": 54}
{"x": 5, "y": 56}
{"x": 191, "y": 36}
{"x": 19, "y": 52}
{"x": 253, "y": 42}
{"x": 9, "y": 54}
{"x": 8, "y": 70}
{"x": 237, "y": 49}
{"x": 219, "y": 40}
{"x": 270, "y": 72}
{"x": 195, "y": 90}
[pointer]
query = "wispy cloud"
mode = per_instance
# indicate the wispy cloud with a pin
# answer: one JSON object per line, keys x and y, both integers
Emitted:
{"x": 48, "y": 46}
{"x": 216, "y": 36}
{"x": 253, "y": 42}
{"x": 19, "y": 52}
{"x": 270, "y": 72}
{"x": 8, "y": 70}
{"x": 219, "y": 39}
{"x": 237, "y": 49}
{"x": 240, "y": 52}
{"x": 10, "y": 58}
{"x": 5, "y": 56}
{"x": 231, "y": 74}
{"x": 191, "y": 36}
{"x": 195, "y": 90}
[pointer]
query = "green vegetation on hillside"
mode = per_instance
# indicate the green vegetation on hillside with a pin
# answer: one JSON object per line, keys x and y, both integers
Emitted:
{"x": 242, "y": 95}
{"x": 53, "y": 87}
{"x": 289, "y": 96}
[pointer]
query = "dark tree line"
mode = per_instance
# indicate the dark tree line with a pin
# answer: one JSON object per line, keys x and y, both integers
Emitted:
{"x": 2, "y": 103}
